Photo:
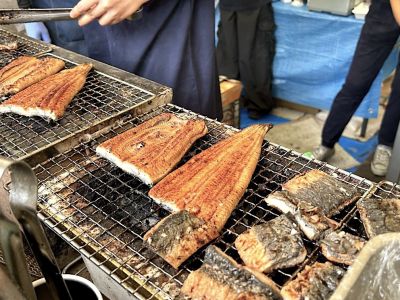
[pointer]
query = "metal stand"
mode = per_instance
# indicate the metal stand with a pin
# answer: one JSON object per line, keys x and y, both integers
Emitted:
{"x": 364, "y": 126}
{"x": 393, "y": 173}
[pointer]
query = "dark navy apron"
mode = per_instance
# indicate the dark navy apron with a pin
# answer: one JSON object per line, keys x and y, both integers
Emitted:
{"x": 172, "y": 44}
{"x": 66, "y": 34}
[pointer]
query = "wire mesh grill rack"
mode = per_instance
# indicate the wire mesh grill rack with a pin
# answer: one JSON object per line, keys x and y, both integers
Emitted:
{"x": 25, "y": 47}
{"x": 104, "y": 212}
{"x": 103, "y": 97}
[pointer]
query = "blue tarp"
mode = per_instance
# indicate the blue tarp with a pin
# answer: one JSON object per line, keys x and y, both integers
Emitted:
{"x": 313, "y": 55}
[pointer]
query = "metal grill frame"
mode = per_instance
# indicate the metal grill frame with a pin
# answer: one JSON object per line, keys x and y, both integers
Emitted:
{"x": 26, "y": 46}
{"x": 65, "y": 170}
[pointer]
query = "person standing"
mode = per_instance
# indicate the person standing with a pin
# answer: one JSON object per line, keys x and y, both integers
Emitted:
{"x": 245, "y": 50}
{"x": 172, "y": 43}
{"x": 378, "y": 37}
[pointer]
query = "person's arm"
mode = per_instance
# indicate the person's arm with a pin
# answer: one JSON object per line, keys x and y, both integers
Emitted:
{"x": 108, "y": 12}
{"x": 396, "y": 9}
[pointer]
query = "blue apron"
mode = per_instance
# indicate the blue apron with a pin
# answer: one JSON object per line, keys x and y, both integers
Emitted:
{"x": 172, "y": 44}
{"x": 66, "y": 34}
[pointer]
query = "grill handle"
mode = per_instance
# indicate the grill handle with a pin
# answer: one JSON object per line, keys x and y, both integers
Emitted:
{"x": 14, "y": 16}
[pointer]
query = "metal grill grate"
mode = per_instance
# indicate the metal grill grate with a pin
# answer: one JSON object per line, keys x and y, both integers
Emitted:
{"x": 101, "y": 98}
{"x": 104, "y": 212}
{"x": 25, "y": 47}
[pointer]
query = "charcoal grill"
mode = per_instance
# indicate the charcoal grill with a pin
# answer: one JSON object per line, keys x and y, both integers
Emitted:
{"x": 26, "y": 46}
{"x": 104, "y": 213}
{"x": 107, "y": 95}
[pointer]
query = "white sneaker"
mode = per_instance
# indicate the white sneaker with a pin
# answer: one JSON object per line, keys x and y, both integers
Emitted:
{"x": 380, "y": 161}
{"x": 323, "y": 153}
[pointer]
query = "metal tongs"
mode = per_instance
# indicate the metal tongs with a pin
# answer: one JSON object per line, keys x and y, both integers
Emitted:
{"x": 13, "y": 16}
{"x": 18, "y": 204}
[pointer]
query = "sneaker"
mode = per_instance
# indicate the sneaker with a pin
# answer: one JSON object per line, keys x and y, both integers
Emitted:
{"x": 323, "y": 153}
{"x": 380, "y": 161}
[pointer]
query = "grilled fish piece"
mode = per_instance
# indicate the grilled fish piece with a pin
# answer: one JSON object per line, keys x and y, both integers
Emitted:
{"x": 319, "y": 190}
{"x": 179, "y": 234}
{"x": 312, "y": 221}
{"x": 210, "y": 185}
{"x": 341, "y": 247}
{"x": 152, "y": 149}
{"x": 272, "y": 245}
{"x": 314, "y": 282}
{"x": 49, "y": 97}
{"x": 8, "y": 44}
{"x": 220, "y": 277}
{"x": 379, "y": 215}
{"x": 25, "y": 71}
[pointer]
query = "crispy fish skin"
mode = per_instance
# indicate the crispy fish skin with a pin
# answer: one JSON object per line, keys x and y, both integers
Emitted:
{"x": 272, "y": 245}
{"x": 220, "y": 278}
{"x": 341, "y": 247}
{"x": 320, "y": 190}
{"x": 179, "y": 234}
{"x": 152, "y": 149}
{"x": 309, "y": 218}
{"x": 379, "y": 215}
{"x": 25, "y": 71}
{"x": 315, "y": 282}
{"x": 312, "y": 221}
{"x": 210, "y": 185}
{"x": 49, "y": 97}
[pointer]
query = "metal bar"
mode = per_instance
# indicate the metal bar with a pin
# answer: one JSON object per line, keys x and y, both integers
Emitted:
{"x": 393, "y": 173}
{"x": 15, "y": 16}
{"x": 364, "y": 126}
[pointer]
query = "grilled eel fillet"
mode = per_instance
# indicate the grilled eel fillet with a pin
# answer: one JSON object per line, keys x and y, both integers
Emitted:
{"x": 379, "y": 215}
{"x": 152, "y": 149}
{"x": 50, "y": 97}
{"x": 204, "y": 191}
{"x": 220, "y": 277}
{"x": 25, "y": 71}
{"x": 272, "y": 245}
{"x": 341, "y": 247}
{"x": 318, "y": 281}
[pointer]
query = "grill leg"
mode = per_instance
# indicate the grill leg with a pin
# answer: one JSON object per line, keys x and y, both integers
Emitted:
{"x": 393, "y": 173}
{"x": 364, "y": 126}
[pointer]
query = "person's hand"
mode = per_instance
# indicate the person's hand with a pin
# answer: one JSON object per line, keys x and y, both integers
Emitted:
{"x": 108, "y": 12}
{"x": 38, "y": 30}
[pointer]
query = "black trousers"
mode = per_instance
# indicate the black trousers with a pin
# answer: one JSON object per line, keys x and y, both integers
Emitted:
{"x": 378, "y": 36}
{"x": 245, "y": 51}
